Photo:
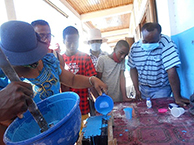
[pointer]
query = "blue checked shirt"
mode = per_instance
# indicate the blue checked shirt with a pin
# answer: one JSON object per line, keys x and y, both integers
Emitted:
{"x": 152, "y": 66}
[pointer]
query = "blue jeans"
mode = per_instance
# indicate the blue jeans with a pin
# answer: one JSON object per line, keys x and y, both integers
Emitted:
{"x": 155, "y": 92}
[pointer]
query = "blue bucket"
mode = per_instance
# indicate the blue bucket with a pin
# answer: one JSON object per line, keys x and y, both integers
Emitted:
{"x": 62, "y": 110}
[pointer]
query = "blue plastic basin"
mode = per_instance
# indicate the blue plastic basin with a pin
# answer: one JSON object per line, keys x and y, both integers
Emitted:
{"x": 62, "y": 110}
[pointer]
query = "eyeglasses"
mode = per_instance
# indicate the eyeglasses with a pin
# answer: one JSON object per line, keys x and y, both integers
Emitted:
{"x": 45, "y": 36}
{"x": 34, "y": 65}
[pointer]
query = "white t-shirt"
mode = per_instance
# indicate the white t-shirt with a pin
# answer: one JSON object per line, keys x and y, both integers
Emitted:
{"x": 111, "y": 76}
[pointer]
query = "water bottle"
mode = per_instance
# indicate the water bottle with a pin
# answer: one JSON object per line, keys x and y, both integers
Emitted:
{"x": 148, "y": 103}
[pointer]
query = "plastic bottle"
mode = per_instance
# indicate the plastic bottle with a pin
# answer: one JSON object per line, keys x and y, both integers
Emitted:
{"x": 148, "y": 103}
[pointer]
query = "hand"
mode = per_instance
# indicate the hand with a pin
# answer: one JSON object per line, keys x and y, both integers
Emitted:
{"x": 126, "y": 99}
{"x": 99, "y": 85}
{"x": 138, "y": 96}
{"x": 182, "y": 101}
{"x": 14, "y": 100}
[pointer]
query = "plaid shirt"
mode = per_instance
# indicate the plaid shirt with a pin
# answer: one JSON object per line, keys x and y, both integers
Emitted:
{"x": 80, "y": 63}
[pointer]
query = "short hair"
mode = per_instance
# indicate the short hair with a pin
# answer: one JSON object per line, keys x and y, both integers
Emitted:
{"x": 151, "y": 26}
{"x": 122, "y": 43}
{"x": 69, "y": 31}
{"x": 39, "y": 22}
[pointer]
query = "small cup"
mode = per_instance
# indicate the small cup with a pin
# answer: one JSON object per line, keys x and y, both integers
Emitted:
{"x": 176, "y": 112}
{"x": 128, "y": 112}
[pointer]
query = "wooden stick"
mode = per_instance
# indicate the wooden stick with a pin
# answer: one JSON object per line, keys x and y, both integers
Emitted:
{"x": 111, "y": 141}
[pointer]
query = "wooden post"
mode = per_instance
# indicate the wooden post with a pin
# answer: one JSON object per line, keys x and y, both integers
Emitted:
{"x": 111, "y": 140}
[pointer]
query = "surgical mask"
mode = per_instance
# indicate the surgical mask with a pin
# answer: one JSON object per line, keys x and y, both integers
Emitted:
{"x": 149, "y": 46}
{"x": 95, "y": 46}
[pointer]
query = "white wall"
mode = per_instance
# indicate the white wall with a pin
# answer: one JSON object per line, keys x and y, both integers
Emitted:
{"x": 163, "y": 16}
{"x": 30, "y": 10}
{"x": 175, "y": 16}
{"x": 3, "y": 15}
{"x": 176, "y": 19}
{"x": 183, "y": 11}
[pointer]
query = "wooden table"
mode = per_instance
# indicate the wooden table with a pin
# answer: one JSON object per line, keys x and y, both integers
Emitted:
{"x": 148, "y": 126}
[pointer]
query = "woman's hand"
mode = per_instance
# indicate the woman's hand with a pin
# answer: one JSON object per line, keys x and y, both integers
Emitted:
{"x": 98, "y": 85}
{"x": 14, "y": 100}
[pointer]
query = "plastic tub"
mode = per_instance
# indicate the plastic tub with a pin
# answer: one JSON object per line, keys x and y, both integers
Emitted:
{"x": 62, "y": 110}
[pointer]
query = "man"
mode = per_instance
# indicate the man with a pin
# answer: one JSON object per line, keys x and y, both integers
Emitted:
{"x": 78, "y": 63}
{"x": 95, "y": 40}
{"x": 153, "y": 61}
{"x": 110, "y": 69}
{"x": 43, "y": 30}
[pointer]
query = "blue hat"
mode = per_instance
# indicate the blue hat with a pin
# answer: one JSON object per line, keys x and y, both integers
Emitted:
{"x": 20, "y": 44}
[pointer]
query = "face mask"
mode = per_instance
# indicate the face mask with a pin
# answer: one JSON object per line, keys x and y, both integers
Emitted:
{"x": 95, "y": 46}
{"x": 115, "y": 58}
{"x": 149, "y": 46}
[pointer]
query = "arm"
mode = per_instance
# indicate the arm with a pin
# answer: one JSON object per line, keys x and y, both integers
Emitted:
{"x": 80, "y": 81}
{"x": 14, "y": 100}
{"x": 134, "y": 78}
{"x": 123, "y": 86}
{"x": 62, "y": 62}
{"x": 175, "y": 86}
{"x": 93, "y": 93}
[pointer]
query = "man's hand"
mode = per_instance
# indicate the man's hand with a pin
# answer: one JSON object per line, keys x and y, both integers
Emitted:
{"x": 138, "y": 96}
{"x": 175, "y": 86}
{"x": 182, "y": 101}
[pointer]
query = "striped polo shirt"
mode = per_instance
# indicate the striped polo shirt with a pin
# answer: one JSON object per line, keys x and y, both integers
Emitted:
{"x": 152, "y": 65}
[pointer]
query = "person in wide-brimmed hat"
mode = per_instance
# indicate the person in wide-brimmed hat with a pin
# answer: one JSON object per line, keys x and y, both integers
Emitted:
{"x": 95, "y": 40}
{"x": 20, "y": 44}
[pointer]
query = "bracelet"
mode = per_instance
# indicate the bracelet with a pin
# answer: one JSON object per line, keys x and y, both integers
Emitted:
{"x": 90, "y": 80}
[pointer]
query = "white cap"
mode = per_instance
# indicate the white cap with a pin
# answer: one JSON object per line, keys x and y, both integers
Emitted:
{"x": 95, "y": 34}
